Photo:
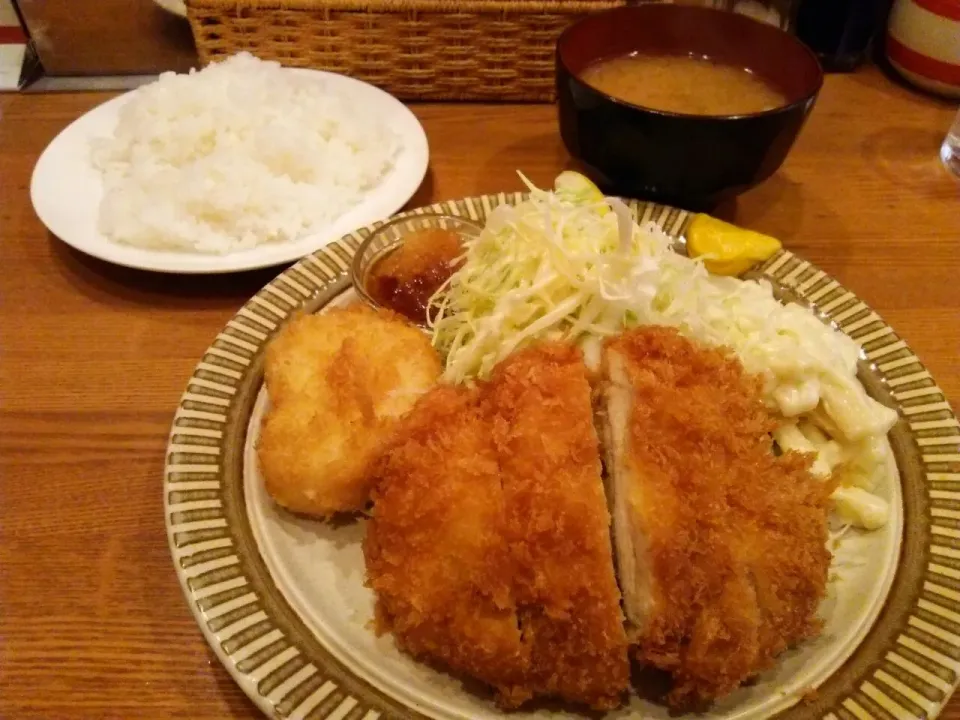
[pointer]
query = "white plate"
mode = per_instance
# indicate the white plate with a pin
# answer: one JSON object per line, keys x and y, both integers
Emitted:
{"x": 66, "y": 189}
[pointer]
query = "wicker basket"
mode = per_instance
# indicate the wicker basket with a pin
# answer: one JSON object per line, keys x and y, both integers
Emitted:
{"x": 414, "y": 49}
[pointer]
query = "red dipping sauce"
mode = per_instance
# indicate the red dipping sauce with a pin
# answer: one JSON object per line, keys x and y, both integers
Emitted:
{"x": 405, "y": 279}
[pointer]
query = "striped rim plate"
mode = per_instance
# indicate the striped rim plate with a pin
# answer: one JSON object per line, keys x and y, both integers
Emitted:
{"x": 302, "y": 650}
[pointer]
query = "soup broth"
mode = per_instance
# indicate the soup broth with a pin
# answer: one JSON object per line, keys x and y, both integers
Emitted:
{"x": 683, "y": 84}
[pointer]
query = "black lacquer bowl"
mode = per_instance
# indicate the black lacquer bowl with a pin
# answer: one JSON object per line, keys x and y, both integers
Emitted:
{"x": 691, "y": 161}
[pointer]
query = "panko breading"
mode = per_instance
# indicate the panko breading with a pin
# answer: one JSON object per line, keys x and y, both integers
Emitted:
{"x": 434, "y": 547}
{"x": 489, "y": 545}
{"x": 338, "y": 382}
{"x": 720, "y": 544}
{"x": 558, "y": 526}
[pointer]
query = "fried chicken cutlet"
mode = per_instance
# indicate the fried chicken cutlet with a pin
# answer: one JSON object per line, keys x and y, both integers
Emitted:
{"x": 338, "y": 382}
{"x": 489, "y": 545}
{"x": 720, "y": 544}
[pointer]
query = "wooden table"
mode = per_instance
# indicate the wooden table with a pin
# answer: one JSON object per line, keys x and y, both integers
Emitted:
{"x": 94, "y": 358}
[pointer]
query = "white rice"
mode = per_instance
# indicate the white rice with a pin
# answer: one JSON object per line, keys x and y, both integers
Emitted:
{"x": 239, "y": 154}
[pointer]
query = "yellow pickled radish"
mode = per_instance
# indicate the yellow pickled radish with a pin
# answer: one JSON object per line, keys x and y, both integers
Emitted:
{"x": 578, "y": 188}
{"x": 727, "y": 249}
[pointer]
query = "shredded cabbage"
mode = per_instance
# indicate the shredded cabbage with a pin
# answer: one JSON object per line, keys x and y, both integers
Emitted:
{"x": 559, "y": 266}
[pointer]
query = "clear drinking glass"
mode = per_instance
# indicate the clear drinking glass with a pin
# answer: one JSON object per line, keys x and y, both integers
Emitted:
{"x": 950, "y": 150}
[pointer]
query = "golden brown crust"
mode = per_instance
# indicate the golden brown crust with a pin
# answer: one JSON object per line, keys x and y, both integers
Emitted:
{"x": 736, "y": 536}
{"x": 434, "y": 550}
{"x": 557, "y": 526}
{"x": 490, "y": 521}
{"x": 337, "y": 382}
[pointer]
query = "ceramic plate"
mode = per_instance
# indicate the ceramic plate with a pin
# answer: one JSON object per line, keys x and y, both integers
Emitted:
{"x": 282, "y": 602}
{"x": 66, "y": 189}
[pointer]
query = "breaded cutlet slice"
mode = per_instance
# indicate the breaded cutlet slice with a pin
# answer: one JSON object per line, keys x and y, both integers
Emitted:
{"x": 337, "y": 383}
{"x": 558, "y": 526}
{"x": 435, "y": 551}
{"x": 720, "y": 544}
{"x": 488, "y": 546}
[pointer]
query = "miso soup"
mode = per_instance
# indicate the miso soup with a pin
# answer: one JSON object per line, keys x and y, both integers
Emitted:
{"x": 684, "y": 84}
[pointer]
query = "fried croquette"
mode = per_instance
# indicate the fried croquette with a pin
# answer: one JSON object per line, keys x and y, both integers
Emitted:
{"x": 338, "y": 382}
{"x": 720, "y": 544}
{"x": 489, "y": 545}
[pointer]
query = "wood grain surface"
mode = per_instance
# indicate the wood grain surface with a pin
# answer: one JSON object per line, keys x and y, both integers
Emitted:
{"x": 94, "y": 358}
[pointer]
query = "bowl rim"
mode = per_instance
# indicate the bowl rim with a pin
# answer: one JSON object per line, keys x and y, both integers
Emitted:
{"x": 357, "y": 276}
{"x": 662, "y": 7}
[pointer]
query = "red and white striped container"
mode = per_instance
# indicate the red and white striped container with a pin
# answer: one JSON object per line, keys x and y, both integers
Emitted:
{"x": 923, "y": 44}
{"x": 13, "y": 46}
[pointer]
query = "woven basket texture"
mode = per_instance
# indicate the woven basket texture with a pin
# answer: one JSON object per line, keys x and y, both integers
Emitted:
{"x": 413, "y": 49}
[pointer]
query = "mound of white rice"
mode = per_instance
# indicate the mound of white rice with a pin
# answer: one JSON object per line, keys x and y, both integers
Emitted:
{"x": 239, "y": 154}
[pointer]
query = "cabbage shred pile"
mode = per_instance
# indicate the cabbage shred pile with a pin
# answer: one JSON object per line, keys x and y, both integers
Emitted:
{"x": 547, "y": 268}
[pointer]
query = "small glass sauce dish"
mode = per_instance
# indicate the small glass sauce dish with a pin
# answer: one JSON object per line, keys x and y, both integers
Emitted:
{"x": 405, "y": 261}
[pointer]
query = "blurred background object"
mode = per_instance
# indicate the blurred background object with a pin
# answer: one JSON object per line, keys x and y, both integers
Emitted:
{"x": 494, "y": 50}
{"x": 950, "y": 150}
{"x": 923, "y": 44}
{"x": 774, "y": 12}
{"x": 839, "y": 31}
{"x": 107, "y": 37}
{"x": 476, "y": 49}
{"x": 13, "y": 46}
{"x": 177, "y": 7}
